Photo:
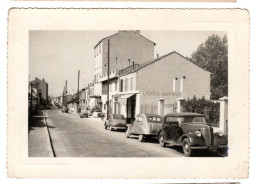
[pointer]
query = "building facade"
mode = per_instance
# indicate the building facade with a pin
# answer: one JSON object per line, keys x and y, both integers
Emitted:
{"x": 167, "y": 78}
{"x": 42, "y": 89}
{"x": 126, "y": 48}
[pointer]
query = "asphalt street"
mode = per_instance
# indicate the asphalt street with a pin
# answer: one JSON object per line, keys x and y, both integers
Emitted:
{"x": 86, "y": 137}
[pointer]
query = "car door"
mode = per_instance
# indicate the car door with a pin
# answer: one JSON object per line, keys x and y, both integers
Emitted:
{"x": 172, "y": 129}
{"x": 134, "y": 126}
{"x": 141, "y": 124}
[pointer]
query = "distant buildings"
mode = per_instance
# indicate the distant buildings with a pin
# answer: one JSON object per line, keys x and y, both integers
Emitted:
{"x": 42, "y": 90}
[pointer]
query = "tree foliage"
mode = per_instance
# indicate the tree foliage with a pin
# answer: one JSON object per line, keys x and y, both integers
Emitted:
{"x": 213, "y": 57}
{"x": 201, "y": 105}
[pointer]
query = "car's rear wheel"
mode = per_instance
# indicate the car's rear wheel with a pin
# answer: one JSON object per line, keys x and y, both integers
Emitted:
{"x": 127, "y": 133}
{"x": 161, "y": 140}
{"x": 186, "y": 147}
{"x": 141, "y": 138}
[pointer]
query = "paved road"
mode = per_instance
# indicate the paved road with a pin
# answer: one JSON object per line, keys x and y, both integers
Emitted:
{"x": 76, "y": 137}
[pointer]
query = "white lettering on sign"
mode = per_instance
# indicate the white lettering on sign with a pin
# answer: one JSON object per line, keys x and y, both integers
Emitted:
{"x": 159, "y": 93}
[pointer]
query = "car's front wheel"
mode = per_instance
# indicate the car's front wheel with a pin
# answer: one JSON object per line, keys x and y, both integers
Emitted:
{"x": 110, "y": 128}
{"x": 105, "y": 126}
{"x": 141, "y": 138}
{"x": 161, "y": 140}
{"x": 222, "y": 151}
{"x": 186, "y": 147}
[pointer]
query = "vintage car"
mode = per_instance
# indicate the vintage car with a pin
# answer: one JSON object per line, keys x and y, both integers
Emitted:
{"x": 145, "y": 125}
{"x": 48, "y": 106}
{"x": 115, "y": 122}
{"x": 190, "y": 131}
{"x": 83, "y": 113}
{"x": 64, "y": 109}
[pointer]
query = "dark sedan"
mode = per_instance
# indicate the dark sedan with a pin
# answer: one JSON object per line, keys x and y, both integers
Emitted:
{"x": 190, "y": 131}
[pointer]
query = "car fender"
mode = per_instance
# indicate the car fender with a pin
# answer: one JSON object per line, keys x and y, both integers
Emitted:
{"x": 193, "y": 138}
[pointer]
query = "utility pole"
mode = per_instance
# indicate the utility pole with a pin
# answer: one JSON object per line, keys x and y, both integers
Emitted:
{"x": 31, "y": 99}
{"x": 108, "y": 72}
{"x": 78, "y": 91}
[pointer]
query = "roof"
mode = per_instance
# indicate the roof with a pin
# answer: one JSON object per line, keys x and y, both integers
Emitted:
{"x": 184, "y": 114}
{"x": 155, "y": 60}
{"x": 117, "y": 34}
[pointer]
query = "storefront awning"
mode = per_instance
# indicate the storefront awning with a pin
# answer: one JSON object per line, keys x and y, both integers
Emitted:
{"x": 123, "y": 97}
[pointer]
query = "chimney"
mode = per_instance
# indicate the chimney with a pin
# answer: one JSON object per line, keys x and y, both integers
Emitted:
{"x": 157, "y": 55}
{"x": 133, "y": 65}
{"x": 137, "y": 31}
{"x": 129, "y": 61}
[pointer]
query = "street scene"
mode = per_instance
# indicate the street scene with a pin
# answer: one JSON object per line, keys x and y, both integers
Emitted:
{"x": 127, "y": 94}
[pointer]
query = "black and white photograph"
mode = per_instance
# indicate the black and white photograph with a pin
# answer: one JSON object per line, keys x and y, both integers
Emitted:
{"x": 110, "y": 98}
{"x": 128, "y": 93}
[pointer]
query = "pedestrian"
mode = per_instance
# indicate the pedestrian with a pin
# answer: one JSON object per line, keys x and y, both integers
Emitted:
{"x": 79, "y": 110}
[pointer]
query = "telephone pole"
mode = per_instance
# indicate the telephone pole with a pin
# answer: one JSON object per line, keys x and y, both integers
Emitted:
{"x": 78, "y": 91}
{"x": 108, "y": 72}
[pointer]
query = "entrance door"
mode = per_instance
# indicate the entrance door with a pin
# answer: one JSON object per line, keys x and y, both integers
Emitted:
{"x": 131, "y": 108}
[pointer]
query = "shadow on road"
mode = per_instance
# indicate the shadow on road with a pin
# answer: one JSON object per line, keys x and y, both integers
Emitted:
{"x": 38, "y": 122}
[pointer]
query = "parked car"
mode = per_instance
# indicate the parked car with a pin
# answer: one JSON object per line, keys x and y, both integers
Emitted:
{"x": 64, "y": 109}
{"x": 48, "y": 106}
{"x": 145, "y": 125}
{"x": 41, "y": 107}
{"x": 190, "y": 131}
{"x": 115, "y": 122}
{"x": 83, "y": 113}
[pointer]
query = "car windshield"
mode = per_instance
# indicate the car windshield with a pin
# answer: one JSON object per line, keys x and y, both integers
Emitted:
{"x": 193, "y": 119}
{"x": 155, "y": 119}
{"x": 118, "y": 116}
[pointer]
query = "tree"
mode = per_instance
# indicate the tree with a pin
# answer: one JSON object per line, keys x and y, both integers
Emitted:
{"x": 213, "y": 57}
{"x": 201, "y": 105}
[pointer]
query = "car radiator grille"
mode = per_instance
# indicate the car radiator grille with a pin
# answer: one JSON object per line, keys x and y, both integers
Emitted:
{"x": 207, "y": 134}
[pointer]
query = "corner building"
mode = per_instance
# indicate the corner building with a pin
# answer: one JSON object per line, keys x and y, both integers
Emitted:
{"x": 126, "y": 48}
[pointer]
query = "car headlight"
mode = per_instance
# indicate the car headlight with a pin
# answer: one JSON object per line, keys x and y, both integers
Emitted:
{"x": 220, "y": 134}
{"x": 198, "y": 133}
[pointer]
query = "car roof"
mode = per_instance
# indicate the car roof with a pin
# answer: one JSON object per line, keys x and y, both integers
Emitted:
{"x": 184, "y": 114}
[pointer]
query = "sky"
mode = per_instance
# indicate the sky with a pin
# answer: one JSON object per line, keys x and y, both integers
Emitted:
{"x": 57, "y": 56}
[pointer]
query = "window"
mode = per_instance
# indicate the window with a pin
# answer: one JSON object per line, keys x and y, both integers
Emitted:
{"x": 126, "y": 84}
{"x": 131, "y": 84}
{"x": 99, "y": 48}
{"x": 182, "y": 81}
{"x": 104, "y": 106}
{"x": 121, "y": 85}
{"x": 174, "y": 84}
{"x": 116, "y": 86}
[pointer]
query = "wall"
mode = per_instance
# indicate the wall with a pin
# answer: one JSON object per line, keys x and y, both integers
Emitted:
{"x": 156, "y": 80}
{"x": 130, "y": 87}
{"x": 126, "y": 45}
{"x": 98, "y": 55}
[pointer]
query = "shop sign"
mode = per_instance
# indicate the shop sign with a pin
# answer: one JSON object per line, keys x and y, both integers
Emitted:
{"x": 159, "y": 93}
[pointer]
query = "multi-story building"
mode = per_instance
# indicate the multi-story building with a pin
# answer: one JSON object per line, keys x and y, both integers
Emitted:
{"x": 42, "y": 89}
{"x": 125, "y": 48}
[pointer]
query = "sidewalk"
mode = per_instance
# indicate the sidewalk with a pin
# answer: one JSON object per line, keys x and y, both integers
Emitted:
{"x": 38, "y": 138}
